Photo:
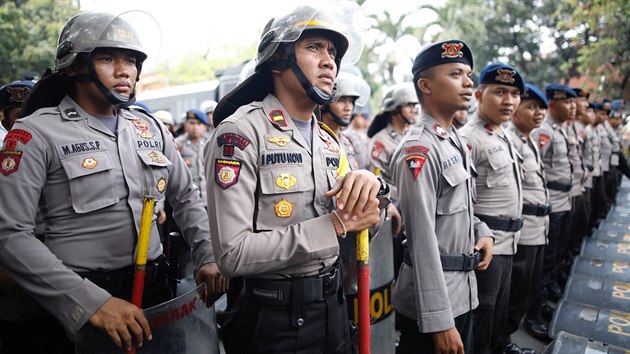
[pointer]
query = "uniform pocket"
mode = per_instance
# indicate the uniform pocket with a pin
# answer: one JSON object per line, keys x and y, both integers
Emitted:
{"x": 453, "y": 200}
{"x": 281, "y": 200}
{"x": 500, "y": 174}
{"x": 91, "y": 179}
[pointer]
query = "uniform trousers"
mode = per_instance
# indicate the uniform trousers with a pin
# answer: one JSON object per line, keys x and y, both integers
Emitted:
{"x": 573, "y": 229}
{"x": 526, "y": 272}
{"x": 413, "y": 342}
{"x": 493, "y": 286}
{"x": 598, "y": 201}
{"x": 254, "y": 326}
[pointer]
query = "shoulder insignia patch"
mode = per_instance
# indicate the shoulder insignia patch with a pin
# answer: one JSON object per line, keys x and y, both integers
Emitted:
{"x": 543, "y": 139}
{"x": 279, "y": 140}
{"x": 284, "y": 208}
{"x": 277, "y": 118}
{"x": 415, "y": 163}
{"x": 9, "y": 161}
{"x": 226, "y": 172}
{"x": 230, "y": 140}
{"x": 376, "y": 150}
{"x": 16, "y": 135}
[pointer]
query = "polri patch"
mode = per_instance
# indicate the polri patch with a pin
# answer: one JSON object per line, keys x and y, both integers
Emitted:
{"x": 277, "y": 118}
{"x": 161, "y": 185}
{"x": 376, "y": 150}
{"x": 89, "y": 163}
{"x": 9, "y": 161}
{"x": 415, "y": 163}
{"x": 230, "y": 140}
{"x": 226, "y": 172}
{"x": 284, "y": 208}
{"x": 439, "y": 130}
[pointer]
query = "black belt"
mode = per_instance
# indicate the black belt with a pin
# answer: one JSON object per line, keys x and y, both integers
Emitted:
{"x": 503, "y": 224}
{"x": 279, "y": 291}
{"x": 538, "y": 210}
{"x": 460, "y": 263}
{"x": 559, "y": 186}
{"x": 121, "y": 281}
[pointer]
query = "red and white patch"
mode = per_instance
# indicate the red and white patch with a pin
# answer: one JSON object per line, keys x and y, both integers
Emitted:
{"x": 277, "y": 118}
{"x": 415, "y": 163}
{"x": 226, "y": 172}
{"x": 488, "y": 128}
{"x": 9, "y": 161}
{"x": 376, "y": 150}
{"x": 16, "y": 135}
{"x": 439, "y": 130}
{"x": 543, "y": 139}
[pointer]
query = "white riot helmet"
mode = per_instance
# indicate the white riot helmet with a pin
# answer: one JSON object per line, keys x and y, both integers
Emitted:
{"x": 348, "y": 85}
{"x": 399, "y": 95}
{"x": 165, "y": 116}
{"x": 208, "y": 106}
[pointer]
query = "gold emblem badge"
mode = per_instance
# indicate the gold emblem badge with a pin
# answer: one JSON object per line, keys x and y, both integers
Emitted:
{"x": 156, "y": 157}
{"x": 145, "y": 134}
{"x": 8, "y": 163}
{"x": 279, "y": 140}
{"x": 452, "y": 50}
{"x": 284, "y": 208}
{"x": 505, "y": 75}
{"x": 286, "y": 181}
{"x": 226, "y": 175}
{"x": 89, "y": 162}
{"x": 161, "y": 185}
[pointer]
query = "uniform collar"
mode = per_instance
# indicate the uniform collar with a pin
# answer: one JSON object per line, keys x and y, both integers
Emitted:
{"x": 70, "y": 110}
{"x": 433, "y": 126}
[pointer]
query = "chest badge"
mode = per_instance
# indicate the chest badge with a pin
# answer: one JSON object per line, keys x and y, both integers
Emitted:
{"x": 279, "y": 140}
{"x": 161, "y": 185}
{"x": 286, "y": 181}
{"x": 89, "y": 163}
{"x": 284, "y": 208}
{"x": 143, "y": 128}
{"x": 156, "y": 157}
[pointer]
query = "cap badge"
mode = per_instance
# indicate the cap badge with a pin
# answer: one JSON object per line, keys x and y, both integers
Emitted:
{"x": 505, "y": 75}
{"x": 452, "y": 50}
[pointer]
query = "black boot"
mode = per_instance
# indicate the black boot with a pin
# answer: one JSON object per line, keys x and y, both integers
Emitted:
{"x": 537, "y": 329}
{"x": 512, "y": 348}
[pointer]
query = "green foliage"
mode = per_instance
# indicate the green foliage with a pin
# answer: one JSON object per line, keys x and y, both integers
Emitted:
{"x": 28, "y": 35}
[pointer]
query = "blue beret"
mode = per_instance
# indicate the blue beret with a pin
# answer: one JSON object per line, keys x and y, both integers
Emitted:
{"x": 597, "y": 105}
{"x": 533, "y": 93}
{"x": 451, "y": 51}
{"x": 559, "y": 92}
{"x": 502, "y": 74}
{"x": 197, "y": 114}
{"x": 13, "y": 94}
{"x": 616, "y": 104}
{"x": 581, "y": 93}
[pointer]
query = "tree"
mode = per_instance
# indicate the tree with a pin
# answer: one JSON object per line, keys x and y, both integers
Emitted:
{"x": 28, "y": 35}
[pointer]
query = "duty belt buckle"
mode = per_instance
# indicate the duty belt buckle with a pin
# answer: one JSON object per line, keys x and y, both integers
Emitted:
{"x": 328, "y": 278}
{"x": 476, "y": 256}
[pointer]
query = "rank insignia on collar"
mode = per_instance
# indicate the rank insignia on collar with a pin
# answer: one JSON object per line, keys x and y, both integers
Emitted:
{"x": 284, "y": 208}
{"x": 488, "y": 129}
{"x": 89, "y": 163}
{"x": 439, "y": 130}
{"x": 452, "y": 50}
{"x": 505, "y": 76}
{"x": 9, "y": 161}
{"x": 161, "y": 185}
{"x": 156, "y": 157}
{"x": 226, "y": 172}
{"x": 415, "y": 163}
{"x": 71, "y": 113}
{"x": 286, "y": 181}
{"x": 277, "y": 118}
{"x": 543, "y": 139}
{"x": 279, "y": 140}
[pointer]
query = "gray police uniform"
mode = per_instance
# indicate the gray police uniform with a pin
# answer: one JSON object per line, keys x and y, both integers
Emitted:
{"x": 432, "y": 165}
{"x": 576, "y": 225}
{"x": 356, "y": 149}
{"x": 499, "y": 203}
{"x": 382, "y": 147}
{"x": 277, "y": 233}
{"x": 193, "y": 157}
{"x": 90, "y": 183}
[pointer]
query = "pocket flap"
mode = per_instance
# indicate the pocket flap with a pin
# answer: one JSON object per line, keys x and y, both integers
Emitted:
{"x": 456, "y": 175}
{"x": 499, "y": 159}
{"x": 282, "y": 180}
{"x": 153, "y": 158}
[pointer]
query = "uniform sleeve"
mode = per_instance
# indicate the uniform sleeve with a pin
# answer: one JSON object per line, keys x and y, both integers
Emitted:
{"x": 419, "y": 205}
{"x": 68, "y": 297}
{"x": 232, "y": 186}
{"x": 188, "y": 209}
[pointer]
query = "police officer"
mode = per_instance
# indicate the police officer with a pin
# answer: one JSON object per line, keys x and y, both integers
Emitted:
{"x": 11, "y": 97}
{"x": 597, "y": 188}
{"x": 351, "y": 90}
{"x": 499, "y": 194}
{"x": 553, "y": 143}
{"x": 527, "y": 262}
{"x": 601, "y": 116}
{"x": 275, "y": 169}
{"x": 87, "y": 162}
{"x": 436, "y": 289}
{"x": 191, "y": 146}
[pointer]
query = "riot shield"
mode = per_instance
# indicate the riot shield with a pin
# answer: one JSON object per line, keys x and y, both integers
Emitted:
{"x": 182, "y": 325}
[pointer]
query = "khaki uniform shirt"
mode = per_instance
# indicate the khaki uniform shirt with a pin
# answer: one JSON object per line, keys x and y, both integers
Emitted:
{"x": 595, "y": 142}
{"x": 89, "y": 183}
{"x": 432, "y": 165}
{"x": 356, "y": 148}
{"x": 575, "y": 156}
{"x": 499, "y": 190}
{"x": 605, "y": 146}
{"x": 535, "y": 228}
{"x": 554, "y": 149}
{"x": 265, "y": 188}
{"x": 382, "y": 147}
{"x": 193, "y": 157}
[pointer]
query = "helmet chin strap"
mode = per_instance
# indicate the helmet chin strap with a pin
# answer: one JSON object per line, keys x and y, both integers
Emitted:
{"x": 316, "y": 94}
{"x": 339, "y": 120}
{"x": 400, "y": 113}
{"x": 119, "y": 101}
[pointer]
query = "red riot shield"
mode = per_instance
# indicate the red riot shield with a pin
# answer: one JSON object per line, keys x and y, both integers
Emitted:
{"x": 182, "y": 325}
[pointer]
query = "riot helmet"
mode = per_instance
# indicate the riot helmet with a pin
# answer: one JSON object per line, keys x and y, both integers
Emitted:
{"x": 397, "y": 96}
{"x": 208, "y": 106}
{"x": 348, "y": 85}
